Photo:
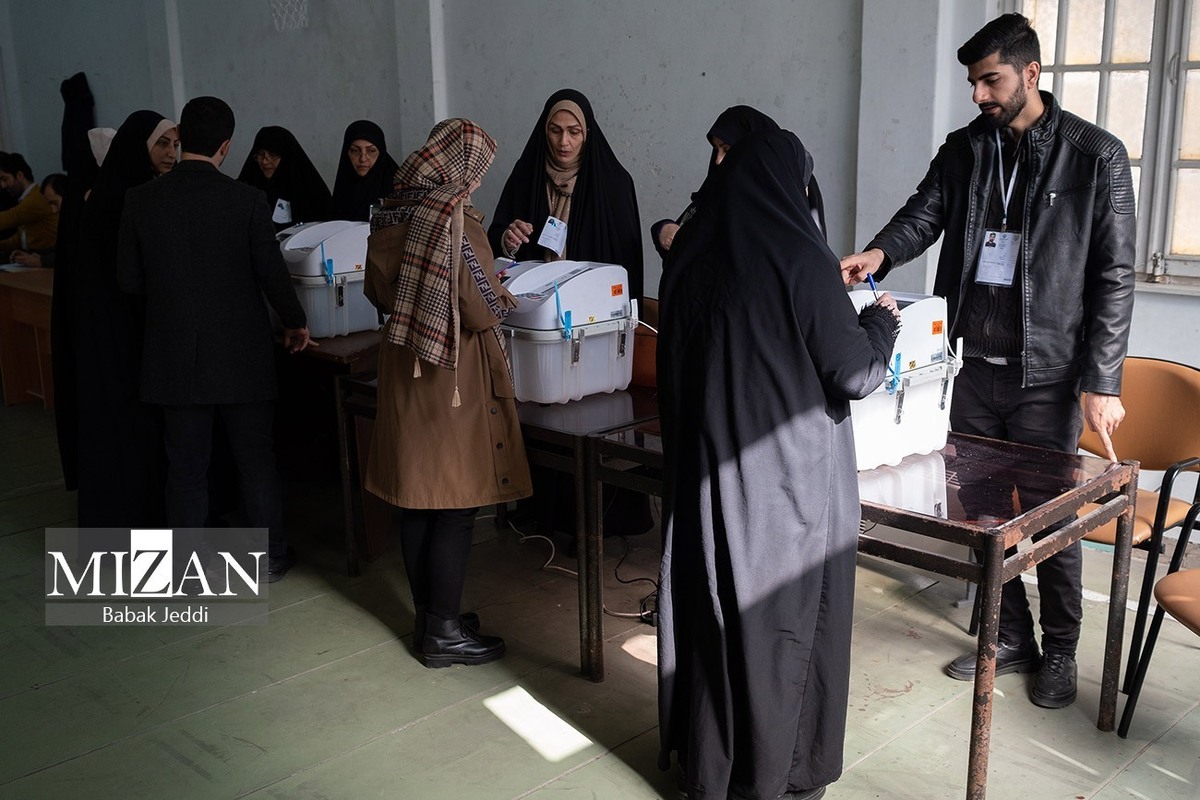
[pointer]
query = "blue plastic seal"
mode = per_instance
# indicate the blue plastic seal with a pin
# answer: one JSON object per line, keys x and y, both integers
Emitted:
{"x": 563, "y": 317}
{"x": 328, "y": 264}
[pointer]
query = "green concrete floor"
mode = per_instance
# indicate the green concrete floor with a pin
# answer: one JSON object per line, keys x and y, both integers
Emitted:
{"x": 326, "y": 700}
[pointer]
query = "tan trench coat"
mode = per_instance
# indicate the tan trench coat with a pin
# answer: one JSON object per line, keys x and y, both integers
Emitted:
{"x": 426, "y": 453}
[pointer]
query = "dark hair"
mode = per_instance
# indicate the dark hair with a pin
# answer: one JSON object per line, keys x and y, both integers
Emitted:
{"x": 15, "y": 164}
{"x": 56, "y": 181}
{"x": 1010, "y": 35}
{"x": 204, "y": 125}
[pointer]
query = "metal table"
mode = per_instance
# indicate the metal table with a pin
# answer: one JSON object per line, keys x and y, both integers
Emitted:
{"x": 981, "y": 476}
{"x": 556, "y": 436}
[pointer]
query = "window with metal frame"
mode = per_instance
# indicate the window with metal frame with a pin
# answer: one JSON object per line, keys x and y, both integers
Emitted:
{"x": 1133, "y": 67}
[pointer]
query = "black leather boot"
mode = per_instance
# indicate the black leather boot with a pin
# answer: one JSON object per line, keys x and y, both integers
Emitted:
{"x": 448, "y": 642}
{"x": 469, "y": 620}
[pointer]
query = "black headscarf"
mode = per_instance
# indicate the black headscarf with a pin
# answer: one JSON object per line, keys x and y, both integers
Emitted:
{"x": 759, "y": 214}
{"x": 731, "y": 126}
{"x": 604, "y": 224}
{"x": 295, "y": 180}
{"x": 354, "y": 194}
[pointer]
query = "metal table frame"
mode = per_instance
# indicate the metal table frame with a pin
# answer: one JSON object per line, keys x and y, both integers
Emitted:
{"x": 620, "y": 463}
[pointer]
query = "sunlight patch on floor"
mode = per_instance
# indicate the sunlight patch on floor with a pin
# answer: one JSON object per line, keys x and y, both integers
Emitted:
{"x": 643, "y": 647}
{"x": 543, "y": 730}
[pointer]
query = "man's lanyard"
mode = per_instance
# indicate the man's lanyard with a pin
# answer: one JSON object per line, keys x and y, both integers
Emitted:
{"x": 1005, "y": 191}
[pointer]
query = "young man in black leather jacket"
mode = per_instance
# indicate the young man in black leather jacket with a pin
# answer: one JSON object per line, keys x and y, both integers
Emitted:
{"x": 1043, "y": 315}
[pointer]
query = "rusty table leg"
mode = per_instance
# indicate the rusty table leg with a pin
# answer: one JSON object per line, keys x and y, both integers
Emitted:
{"x": 985, "y": 667}
{"x": 1119, "y": 591}
{"x": 589, "y": 516}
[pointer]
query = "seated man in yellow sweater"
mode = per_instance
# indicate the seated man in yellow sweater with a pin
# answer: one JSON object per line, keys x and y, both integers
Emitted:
{"x": 32, "y": 218}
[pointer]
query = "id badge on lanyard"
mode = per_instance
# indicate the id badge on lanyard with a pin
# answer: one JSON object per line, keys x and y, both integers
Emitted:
{"x": 1001, "y": 248}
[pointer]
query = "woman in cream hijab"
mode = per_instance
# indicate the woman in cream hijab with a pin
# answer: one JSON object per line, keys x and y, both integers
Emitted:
{"x": 568, "y": 171}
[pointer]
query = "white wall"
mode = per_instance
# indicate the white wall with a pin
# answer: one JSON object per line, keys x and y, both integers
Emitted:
{"x": 658, "y": 74}
{"x": 1166, "y": 326}
{"x": 314, "y": 81}
{"x": 50, "y": 40}
{"x": 914, "y": 92}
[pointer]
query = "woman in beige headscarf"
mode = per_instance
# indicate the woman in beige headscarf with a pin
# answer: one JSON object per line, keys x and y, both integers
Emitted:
{"x": 447, "y": 439}
{"x": 568, "y": 171}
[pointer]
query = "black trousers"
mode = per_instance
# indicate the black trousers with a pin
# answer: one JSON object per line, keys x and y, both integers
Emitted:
{"x": 436, "y": 544}
{"x": 189, "y": 438}
{"x": 990, "y": 401}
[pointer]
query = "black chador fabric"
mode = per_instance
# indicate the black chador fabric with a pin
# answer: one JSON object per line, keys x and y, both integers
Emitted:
{"x": 353, "y": 194}
{"x": 604, "y": 224}
{"x": 732, "y": 124}
{"x": 79, "y": 116}
{"x": 759, "y": 353}
{"x": 295, "y": 180}
{"x": 738, "y": 121}
{"x": 120, "y": 438}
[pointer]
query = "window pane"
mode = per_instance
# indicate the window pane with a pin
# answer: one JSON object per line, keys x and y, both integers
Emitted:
{"x": 1185, "y": 230}
{"x": 1081, "y": 92}
{"x": 1043, "y": 16}
{"x": 1189, "y": 142}
{"x": 1085, "y": 29}
{"x": 1127, "y": 108}
{"x": 1194, "y": 47}
{"x": 1136, "y": 172}
{"x": 1134, "y": 27}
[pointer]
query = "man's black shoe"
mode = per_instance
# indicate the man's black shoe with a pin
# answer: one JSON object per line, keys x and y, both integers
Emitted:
{"x": 278, "y": 567}
{"x": 1056, "y": 682}
{"x": 1024, "y": 657}
{"x": 807, "y": 794}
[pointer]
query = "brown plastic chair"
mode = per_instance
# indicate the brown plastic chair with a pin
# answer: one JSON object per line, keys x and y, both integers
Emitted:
{"x": 1161, "y": 430}
{"x": 1178, "y": 594}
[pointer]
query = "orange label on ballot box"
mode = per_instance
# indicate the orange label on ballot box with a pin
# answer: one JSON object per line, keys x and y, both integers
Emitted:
{"x": 937, "y": 327}
{"x": 618, "y": 289}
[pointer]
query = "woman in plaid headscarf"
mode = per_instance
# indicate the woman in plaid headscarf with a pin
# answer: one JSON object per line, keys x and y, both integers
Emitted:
{"x": 447, "y": 439}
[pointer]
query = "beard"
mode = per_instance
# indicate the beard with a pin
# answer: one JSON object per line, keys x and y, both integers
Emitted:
{"x": 1008, "y": 110}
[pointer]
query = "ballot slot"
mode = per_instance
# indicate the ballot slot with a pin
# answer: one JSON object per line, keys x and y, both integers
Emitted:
{"x": 568, "y": 336}
{"x": 327, "y": 262}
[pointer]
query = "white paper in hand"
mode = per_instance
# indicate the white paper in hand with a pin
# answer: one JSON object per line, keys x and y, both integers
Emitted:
{"x": 554, "y": 235}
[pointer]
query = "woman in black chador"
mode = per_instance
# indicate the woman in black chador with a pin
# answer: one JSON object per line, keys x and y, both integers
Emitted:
{"x": 120, "y": 451}
{"x": 759, "y": 353}
{"x": 365, "y": 173}
{"x": 568, "y": 169}
{"x": 728, "y": 129}
{"x": 278, "y": 165}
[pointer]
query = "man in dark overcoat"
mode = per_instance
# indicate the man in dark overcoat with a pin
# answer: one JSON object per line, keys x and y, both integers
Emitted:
{"x": 202, "y": 250}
